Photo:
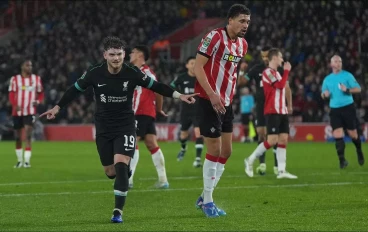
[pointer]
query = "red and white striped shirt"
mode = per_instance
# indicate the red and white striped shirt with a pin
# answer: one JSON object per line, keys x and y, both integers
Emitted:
{"x": 144, "y": 100}
{"x": 24, "y": 92}
{"x": 274, "y": 91}
{"x": 221, "y": 67}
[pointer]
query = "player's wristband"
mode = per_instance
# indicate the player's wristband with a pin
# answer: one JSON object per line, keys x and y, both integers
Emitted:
{"x": 347, "y": 91}
{"x": 176, "y": 95}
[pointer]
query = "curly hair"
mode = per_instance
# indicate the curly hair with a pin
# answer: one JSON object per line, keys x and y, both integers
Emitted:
{"x": 113, "y": 42}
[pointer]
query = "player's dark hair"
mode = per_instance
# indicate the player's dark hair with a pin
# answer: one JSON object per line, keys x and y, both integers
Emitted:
{"x": 273, "y": 52}
{"x": 24, "y": 60}
{"x": 144, "y": 49}
{"x": 266, "y": 48}
{"x": 237, "y": 9}
{"x": 113, "y": 42}
{"x": 189, "y": 58}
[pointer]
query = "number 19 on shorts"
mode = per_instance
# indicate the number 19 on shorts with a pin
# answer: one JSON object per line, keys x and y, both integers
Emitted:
{"x": 129, "y": 141}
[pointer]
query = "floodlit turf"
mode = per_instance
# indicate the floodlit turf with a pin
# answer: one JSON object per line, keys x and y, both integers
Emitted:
{"x": 66, "y": 190}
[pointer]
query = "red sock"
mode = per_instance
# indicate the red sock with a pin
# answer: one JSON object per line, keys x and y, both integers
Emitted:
{"x": 154, "y": 150}
{"x": 212, "y": 158}
{"x": 222, "y": 160}
{"x": 27, "y": 149}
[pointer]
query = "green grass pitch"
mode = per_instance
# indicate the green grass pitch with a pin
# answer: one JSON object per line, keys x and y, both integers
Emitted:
{"x": 66, "y": 190}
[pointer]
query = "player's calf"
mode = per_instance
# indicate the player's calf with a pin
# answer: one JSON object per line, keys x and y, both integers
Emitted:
{"x": 340, "y": 148}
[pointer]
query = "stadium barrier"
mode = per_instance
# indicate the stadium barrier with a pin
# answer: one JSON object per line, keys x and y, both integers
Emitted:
{"x": 301, "y": 132}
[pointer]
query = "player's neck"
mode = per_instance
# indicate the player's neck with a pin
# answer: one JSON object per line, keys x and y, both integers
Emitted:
{"x": 273, "y": 66}
{"x": 336, "y": 71}
{"x": 25, "y": 74}
{"x": 230, "y": 33}
{"x": 114, "y": 70}
{"x": 191, "y": 74}
{"x": 139, "y": 64}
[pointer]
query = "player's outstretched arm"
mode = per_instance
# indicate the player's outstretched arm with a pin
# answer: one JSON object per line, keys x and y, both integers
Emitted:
{"x": 70, "y": 94}
{"x": 166, "y": 90}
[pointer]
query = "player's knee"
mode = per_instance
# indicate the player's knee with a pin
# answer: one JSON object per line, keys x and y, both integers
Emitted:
{"x": 338, "y": 133}
{"x": 183, "y": 135}
{"x": 110, "y": 171}
{"x": 272, "y": 140}
{"x": 353, "y": 134}
{"x": 282, "y": 140}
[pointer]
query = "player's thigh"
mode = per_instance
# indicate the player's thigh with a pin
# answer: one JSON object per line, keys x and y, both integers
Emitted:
{"x": 273, "y": 122}
{"x": 125, "y": 143}
{"x": 210, "y": 122}
{"x": 141, "y": 124}
{"x": 349, "y": 116}
{"x": 29, "y": 120}
{"x": 227, "y": 120}
{"x": 260, "y": 117}
{"x": 105, "y": 148}
{"x": 185, "y": 123}
{"x": 336, "y": 120}
{"x": 151, "y": 139}
{"x": 283, "y": 138}
{"x": 18, "y": 122}
{"x": 284, "y": 127}
{"x": 245, "y": 119}
{"x": 226, "y": 144}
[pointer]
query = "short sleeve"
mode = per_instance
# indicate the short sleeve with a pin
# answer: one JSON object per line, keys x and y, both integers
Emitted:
{"x": 352, "y": 82}
{"x": 12, "y": 85}
{"x": 209, "y": 44}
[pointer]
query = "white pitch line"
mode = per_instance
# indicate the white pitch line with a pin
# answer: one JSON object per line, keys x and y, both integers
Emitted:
{"x": 172, "y": 178}
{"x": 188, "y": 189}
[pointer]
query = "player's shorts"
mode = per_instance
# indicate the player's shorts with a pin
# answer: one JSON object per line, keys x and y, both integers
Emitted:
{"x": 145, "y": 125}
{"x": 212, "y": 124}
{"x": 188, "y": 120}
{"x": 20, "y": 121}
{"x": 108, "y": 145}
{"x": 277, "y": 124}
{"x": 260, "y": 117}
{"x": 343, "y": 117}
{"x": 245, "y": 118}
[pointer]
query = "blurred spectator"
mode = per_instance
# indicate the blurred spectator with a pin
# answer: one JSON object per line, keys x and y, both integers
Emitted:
{"x": 66, "y": 38}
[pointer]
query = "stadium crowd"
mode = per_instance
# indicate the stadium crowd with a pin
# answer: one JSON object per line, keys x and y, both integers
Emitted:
{"x": 66, "y": 38}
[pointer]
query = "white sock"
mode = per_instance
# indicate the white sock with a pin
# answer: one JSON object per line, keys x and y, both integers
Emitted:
{"x": 19, "y": 153}
{"x": 209, "y": 177}
{"x": 219, "y": 170}
{"x": 133, "y": 164}
{"x": 159, "y": 162}
{"x": 27, "y": 156}
{"x": 281, "y": 158}
{"x": 262, "y": 147}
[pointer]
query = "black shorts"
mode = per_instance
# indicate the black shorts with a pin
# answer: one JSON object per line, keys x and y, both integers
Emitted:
{"x": 343, "y": 117}
{"x": 245, "y": 118}
{"x": 211, "y": 124}
{"x": 20, "y": 121}
{"x": 108, "y": 145}
{"x": 260, "y": 117}
{"x": 188, "y": 120}
{"x": 145, "y": 125}
{"x": 277, "y": 124}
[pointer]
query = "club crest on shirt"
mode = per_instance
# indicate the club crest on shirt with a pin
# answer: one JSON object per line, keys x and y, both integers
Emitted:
{"x": 206, "y": 42}
{"x": 125, "y": 85}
